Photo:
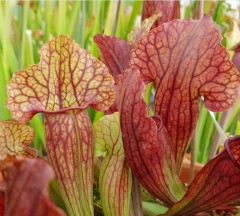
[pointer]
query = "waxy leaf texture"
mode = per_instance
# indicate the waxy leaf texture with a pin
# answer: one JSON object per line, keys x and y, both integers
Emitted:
{"x": 115, "y": 53}
{"x": 215, "y": 185}
{"x": 115, "y": 180}
{"x": 67, "y": 80}
{"x": 66, "y": 77}
{"x": 26, "y": 189}
{"x": 168, "y": 10}
{"x": 185, "y": 60}
{"x": 70, "y": 149}
{"x": 146, "y": 143}
{"x": 15, "y": 139}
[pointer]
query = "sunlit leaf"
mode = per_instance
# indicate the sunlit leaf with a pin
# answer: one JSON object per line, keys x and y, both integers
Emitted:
{"x": 70, "y": 149}
{"x": 168, "y": 10}
{"x": 153, "y": 209}
{"x": 26, "y": 189}
{"x": 115, "y": 180}
{"x": 115, "y": 53}
{"x": 66, "y": 81}
{"x": 66, "y": 77}
{"x": 215, "y": 185}
{"x": 15, "y": 139}
{"x": 146, "y": 143}
{"x": 185, "y": 60}
{"x": 97, "y": 165}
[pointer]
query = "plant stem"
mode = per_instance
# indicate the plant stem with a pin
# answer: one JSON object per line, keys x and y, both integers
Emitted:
{"x": 72, "y": 142}
{"x": 136, "y": 197}
{"x": 219, "y": 135}
{"x": 218, "y": 127}
{"x": 193, "y": 154}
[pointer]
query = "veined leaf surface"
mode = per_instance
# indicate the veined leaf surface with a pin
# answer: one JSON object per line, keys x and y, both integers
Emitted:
{"x": 115, "y": 180}
{"x": 146, "y": 144}
{"x": 115, "y": 53}
{"x": 185, "y": 60}
{"x": 69, "y": 144}
{"x": 15, "y": 139}
{"x": 67, "y": 77}
{"x": 26, "y": 189}
{"x": 66, "y": 81}
{"x": 168, "y": 10}
{"x": 215, "y": 185}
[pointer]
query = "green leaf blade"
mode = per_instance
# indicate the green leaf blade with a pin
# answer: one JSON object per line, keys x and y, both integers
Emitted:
{"x": 115, "y": 176}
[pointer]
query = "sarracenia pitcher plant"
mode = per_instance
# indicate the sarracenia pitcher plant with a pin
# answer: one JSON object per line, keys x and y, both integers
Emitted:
{"x": 23, "y": 178}
{"x": 151, "y": 88}
{"x": 66, "y": 81}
